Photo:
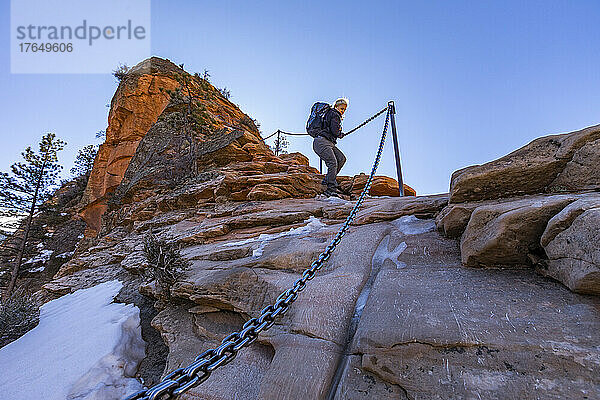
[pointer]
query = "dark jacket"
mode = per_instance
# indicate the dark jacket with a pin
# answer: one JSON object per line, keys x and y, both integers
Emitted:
{"x": 332, "y": 125}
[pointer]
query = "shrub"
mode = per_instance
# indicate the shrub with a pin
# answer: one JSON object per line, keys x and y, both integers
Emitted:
{"x": 166, "y": 262}
{"x": 120, "y": 72}
{"x": 225, "y": 92}
{"x": 18, "y": 315}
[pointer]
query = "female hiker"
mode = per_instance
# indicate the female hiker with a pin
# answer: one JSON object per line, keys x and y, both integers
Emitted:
{"x": 324, "y": 144}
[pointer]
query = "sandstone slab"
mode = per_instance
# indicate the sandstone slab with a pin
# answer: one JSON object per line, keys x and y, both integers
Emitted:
{"x": 571, "y": 245}
{"x": 445, "y": 332}
{"x": 506, "y": 233}
{"x": 391, "y": 208}
{"x": 550, "y": 164}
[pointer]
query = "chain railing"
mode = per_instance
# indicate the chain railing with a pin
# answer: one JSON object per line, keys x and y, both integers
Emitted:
{"x": 367, "y": 121}
{"x": 183, "y": 379}
{"x": 345, "y": 134}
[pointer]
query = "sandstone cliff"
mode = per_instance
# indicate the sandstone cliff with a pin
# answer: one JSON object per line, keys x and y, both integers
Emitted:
{"x": 402, "y": 310}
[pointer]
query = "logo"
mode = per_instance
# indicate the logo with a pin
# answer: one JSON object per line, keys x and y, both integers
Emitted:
{"x": 78, "y": 36}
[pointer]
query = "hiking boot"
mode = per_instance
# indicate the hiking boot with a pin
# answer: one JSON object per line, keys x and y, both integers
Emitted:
{"x": 332, "y": 192}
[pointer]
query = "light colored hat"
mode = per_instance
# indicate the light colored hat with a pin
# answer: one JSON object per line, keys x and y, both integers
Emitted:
{"x": 341, "y": 100}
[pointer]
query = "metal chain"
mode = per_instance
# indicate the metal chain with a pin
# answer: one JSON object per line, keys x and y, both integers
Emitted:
{"x": 367, "y": 121}
{"x": 345, "y": 134}
{"x": 183, "y": 379}
{"x": 273, "y": 134}
{"x": 293, "y": 134}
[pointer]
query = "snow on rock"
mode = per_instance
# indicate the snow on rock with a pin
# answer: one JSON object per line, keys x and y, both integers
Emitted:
{"x": 66, "y": 255}
{"x": 42, "y": 257}
{"x": 334, "y": 200}
{"x": 84, "y": 348}
{"x": 38, "y": 269}
{"x": 411, "y": 225}
{"x": 383, "y": 253}
{"x": 312, "y": 224}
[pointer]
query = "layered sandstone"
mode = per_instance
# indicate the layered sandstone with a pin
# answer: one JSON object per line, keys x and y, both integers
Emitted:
{"x": 139, "y": 100}
{"x": 393, "y": 315}
{"x": 535, "y": 207}
{"x": 551, "y": 164}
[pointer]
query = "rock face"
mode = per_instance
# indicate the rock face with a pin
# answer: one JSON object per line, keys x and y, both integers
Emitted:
{"x": 505, "y": 234}
{"x": 527, "y": 208}
{"x": 550, "y": 164}
{"x": 139, "y": 100}
{"x": 393, "y": 315}
{"x": 571, "y": 243}
{"x": 381, "y": 185}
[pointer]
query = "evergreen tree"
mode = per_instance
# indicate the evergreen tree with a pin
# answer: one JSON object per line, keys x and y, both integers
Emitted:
{"x": 120, "y": 72}
{"x": 29, "y": 184}
{"x": 196, "y": 119}
{"x": 101, "y": 134}
{"x": 225, "y": 92}
{"x": 84, "y": 162}
{"x": 280, "y": 145}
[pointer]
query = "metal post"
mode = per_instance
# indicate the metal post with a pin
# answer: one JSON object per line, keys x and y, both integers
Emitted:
{"x": 396, "y": 149}
{"x": 320, "y": 165}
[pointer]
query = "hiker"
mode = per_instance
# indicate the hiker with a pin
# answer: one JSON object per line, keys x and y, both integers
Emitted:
{"x": 324, "y": 144}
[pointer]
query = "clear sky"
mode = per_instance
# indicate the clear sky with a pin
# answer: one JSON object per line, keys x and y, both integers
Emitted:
{"x": 472, "y": 80}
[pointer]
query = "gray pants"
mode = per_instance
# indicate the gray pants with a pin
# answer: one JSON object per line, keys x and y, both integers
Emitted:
{"x": 333, "y": 157}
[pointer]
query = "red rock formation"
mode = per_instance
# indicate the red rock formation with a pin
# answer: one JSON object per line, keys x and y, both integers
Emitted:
{"x": 139, "y": 100}
{"x": 381, "y": 185}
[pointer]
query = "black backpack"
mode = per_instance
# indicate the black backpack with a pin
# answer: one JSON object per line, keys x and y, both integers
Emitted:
{"x": 314, "y": 125}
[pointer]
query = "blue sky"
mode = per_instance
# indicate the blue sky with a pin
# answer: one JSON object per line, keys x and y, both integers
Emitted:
{"x": 472, "y": 80}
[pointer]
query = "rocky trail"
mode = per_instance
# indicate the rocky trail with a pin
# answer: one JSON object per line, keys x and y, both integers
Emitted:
{"x": 394, "y": 313}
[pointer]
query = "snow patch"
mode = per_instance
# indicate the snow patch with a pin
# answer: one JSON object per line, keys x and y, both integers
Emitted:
{"x": 312, "y": 224}
{"x": 44, "y": 256}
{"x": 336, "y": 200}
{"x": 411, "y": 225}
{"x": 84, "y": 348}
{"x": 8, "y": 221}
{"x": 66, "y": 255}
{"x": 383, "y": 253}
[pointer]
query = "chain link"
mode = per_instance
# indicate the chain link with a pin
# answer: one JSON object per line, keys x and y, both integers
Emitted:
{"x": 367, "y": 121}
{"x": 345, "y": 134}
{"x": 183, "y": 379}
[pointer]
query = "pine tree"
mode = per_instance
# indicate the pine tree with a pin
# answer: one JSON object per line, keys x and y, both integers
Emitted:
{"x": 225, "y": 92}
{"x": 280, "y": 145}
{"x": 29, "y": 184}
{"x": 195, "y": 116}
{"x": 84, "y": 162}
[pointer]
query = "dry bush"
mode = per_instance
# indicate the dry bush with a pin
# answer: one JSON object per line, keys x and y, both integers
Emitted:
{"x": 166, "y": 262}
{"x": 18, "y": 315}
